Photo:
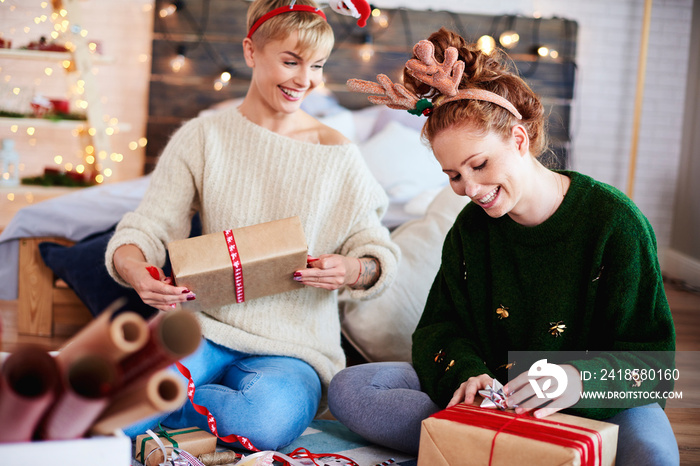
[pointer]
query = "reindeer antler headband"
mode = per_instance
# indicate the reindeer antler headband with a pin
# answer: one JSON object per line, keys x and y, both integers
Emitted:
{"x": 445, "y": 77}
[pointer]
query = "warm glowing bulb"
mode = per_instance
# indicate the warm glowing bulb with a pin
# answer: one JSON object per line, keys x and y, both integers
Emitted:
{"x": 48, "y": 71}
{"x": 543, "y": 51}
{"x": 10, "y": 196}
{"x": 80, "y": 168}
{"x": 143, "y": 141}
{"x": 553, "y": 53}
{"x": 167, "y": 11}
{"x": 133, "y": 145}
{"x": 107, "y": 172}
{"x": 509, "y": 39}
{"x": 225, "y": 76}
{"x": 90, "y": 159}
{"x": 177, "y": 63}
{"x": 366, "y": 52}
{"x": 99, "y": 179}
{"x": 68, "y": 166}
{"x": 58, "y": 160}
{"x": 486, "y": 44}
{"x": 31, "y": 130}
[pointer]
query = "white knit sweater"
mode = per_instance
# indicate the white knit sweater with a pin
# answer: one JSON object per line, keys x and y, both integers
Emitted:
{"x": 236, "y": 173}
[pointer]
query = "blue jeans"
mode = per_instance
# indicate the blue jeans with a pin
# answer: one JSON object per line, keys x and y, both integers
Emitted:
{"x": 268, "y": 399}
{"x": 383, "y": 403}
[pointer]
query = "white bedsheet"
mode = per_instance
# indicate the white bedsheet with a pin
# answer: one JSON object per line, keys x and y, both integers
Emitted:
{"x": 78, "y": 215}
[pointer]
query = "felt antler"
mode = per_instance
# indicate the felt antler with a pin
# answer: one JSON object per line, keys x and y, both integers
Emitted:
{"x": 392, "y": 95}
{"x": 445, "y": 76}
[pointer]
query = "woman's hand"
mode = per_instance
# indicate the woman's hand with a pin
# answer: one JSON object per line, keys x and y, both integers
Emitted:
{"x": 521, "y": 396}
{"x": 151, "y": 284}
{"x": 332, "y": 271}
{"x": 468, "y": 390}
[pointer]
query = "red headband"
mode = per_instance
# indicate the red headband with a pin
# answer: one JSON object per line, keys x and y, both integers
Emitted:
{"x": 284, "y": 9}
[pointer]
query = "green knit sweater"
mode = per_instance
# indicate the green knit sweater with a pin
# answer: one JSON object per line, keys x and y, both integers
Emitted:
{"x": 592, "y": 267}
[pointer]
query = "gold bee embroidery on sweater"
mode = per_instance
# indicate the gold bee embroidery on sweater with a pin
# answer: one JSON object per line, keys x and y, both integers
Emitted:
{"x": 506, "y": 366}
{"x": 502, "y": 312}
{"x": 556, "y": 328}
{"x": 452, "y": 363}
{"x": 439, "y": 357}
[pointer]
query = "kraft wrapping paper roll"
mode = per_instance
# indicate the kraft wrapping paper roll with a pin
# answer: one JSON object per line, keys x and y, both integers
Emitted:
{"x": 28, "y": 383}
{"x": 173, "y": 335}
{"x": 163, "y": 391}
{"x": 112, "y": 336}
{"x": 88, "y": 381}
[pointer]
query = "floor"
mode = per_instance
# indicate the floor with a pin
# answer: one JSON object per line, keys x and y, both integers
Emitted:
{"x": 685, "y": 306}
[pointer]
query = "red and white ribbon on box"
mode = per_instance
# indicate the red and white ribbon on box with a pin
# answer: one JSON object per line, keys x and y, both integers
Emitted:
{"x": 236, "y": 262}
{"x": 586, "y": 442}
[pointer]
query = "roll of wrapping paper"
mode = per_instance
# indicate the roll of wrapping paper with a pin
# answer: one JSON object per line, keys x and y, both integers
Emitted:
{"x": 163, "y": 391}
{"x": 87, "y": 383}
{"x": 173, "y": 335}
{"x": 28, "y": 383}
{"x": 115, "y": 336}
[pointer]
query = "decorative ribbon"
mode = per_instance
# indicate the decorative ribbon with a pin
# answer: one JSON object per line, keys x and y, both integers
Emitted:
{"x": 166, "y": 435}
{"x": 237, "y": 267}
{"x": 211, "y": 421}
{"x": 190, "y": 459}
{"x": 494, "y": 396}
{"x": 584, "y": 441}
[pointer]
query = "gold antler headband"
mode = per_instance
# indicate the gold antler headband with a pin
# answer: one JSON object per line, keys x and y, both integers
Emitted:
{"x": 445, "y": 77}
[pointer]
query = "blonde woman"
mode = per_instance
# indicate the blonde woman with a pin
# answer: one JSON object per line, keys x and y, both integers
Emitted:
{"x": 263, "y": 365}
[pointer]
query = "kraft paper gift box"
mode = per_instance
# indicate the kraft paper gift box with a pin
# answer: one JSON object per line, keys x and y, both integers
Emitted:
{"x": 193, "y": 440}
{"x": 463, "y": 434}
{"x": 240, "y": 264}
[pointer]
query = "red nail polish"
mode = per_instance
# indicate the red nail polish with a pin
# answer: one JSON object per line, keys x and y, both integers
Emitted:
{"x": 297, "y": 274}
{"x": 154, "y": 272}
{"x": 191, "y": 297}
{"x": 310, "y": 259}
{"x": 185, "y": 291}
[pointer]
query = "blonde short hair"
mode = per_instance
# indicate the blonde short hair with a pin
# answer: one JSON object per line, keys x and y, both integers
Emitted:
{"x": 314, "y": 32}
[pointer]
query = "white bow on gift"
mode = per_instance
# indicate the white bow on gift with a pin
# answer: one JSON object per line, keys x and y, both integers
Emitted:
{"x": 494, "y": 396}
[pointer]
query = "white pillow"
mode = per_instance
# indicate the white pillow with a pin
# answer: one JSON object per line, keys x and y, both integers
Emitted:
{"x": 365, "y": 121}
{"x": 402, "y": 164}
{"x": 380, "y": 329}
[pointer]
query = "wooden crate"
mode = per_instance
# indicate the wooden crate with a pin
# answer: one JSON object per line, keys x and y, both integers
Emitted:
{"x": 46, "y": 306}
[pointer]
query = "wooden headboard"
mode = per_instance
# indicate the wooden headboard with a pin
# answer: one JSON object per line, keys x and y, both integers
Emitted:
{"x": 209, "y": 33}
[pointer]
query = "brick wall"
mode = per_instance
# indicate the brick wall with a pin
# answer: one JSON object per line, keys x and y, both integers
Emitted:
{"x": 607, "y": 54}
